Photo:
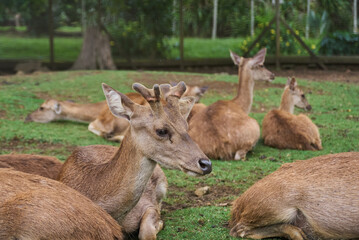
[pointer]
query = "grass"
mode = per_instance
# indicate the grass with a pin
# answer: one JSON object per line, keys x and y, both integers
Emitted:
{"x": 65, "y": 48}
{"x": 204, "y": 48}
{"x": 335, "y": 111}
{"x": 68, "y": 48}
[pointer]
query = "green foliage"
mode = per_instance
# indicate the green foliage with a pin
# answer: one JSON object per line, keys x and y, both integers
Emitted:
{"x": 340, "y": 43}
{"x": 141, "y": 28}
{"x": 288, "y": 44}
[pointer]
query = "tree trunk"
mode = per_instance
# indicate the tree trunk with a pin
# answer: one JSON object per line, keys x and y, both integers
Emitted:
{"x": 95, "y": 52}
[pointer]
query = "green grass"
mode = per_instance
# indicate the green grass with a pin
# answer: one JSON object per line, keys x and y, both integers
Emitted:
{"x": 204, "y": 48}
{"x": 65, "y": 48}
{"x": 68, "y": 48}
{"x": 335, "y": 111}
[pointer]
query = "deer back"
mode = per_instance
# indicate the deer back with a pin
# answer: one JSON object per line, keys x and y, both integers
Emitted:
{"x": 319, "y": 196}
{"x": 45, "y": 166}
{"x": 34, "y": 207}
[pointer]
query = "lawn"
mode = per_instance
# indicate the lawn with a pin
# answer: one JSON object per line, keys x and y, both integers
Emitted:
{"x": 335, "y": 111}
{"x": 68, "y": 48}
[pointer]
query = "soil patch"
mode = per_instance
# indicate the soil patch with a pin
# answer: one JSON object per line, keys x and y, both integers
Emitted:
{"x": 149, "y": 79}
{"x": 17, "y": 145}
{"x": 2, "y": 114}
{"x": 47, "y": 96}
{"x": 218, "y": 195}
{"x": 346, "y": 76}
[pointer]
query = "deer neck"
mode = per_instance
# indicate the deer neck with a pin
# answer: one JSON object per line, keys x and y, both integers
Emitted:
{"x": 287, "y": 103}
{"x": 244, "y": 96}
{"x": 75, "y": 112}
{"x": 127, "y": 174}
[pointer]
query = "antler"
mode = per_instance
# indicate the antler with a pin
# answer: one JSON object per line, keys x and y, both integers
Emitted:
{"x": 152, "y": 96}
{"x": 174, "y": 90}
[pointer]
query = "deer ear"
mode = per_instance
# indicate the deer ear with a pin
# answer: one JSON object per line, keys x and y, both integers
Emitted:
{"x": 235, "y": 58}
{"x": 119, "y": 104}
{"x": 57, "y": 107}
{"x": 259, "y": 58}
{"x": 186, "y": 105}
{"x": 292, "y": 84}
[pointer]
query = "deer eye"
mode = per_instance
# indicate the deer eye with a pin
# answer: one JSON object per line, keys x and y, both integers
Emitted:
{"x": 261, "y": 66}
{"x": 303, "y": 96}
{"x": 41, "y": 108}
{"x": 162, "y": 132}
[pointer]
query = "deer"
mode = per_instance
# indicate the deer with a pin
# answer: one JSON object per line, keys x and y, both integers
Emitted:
{"x": 45, "y": 166}
{"x": 54, "y": 110}
{"x": 145, "y": 217}
{"x": 284, "y": 130}
{"x": 114, "y": 129}
{"x": 307, "y": 199}
{"x": 223, "y": 130}
{"x": 115, "y": 178}
{"x": 36, "y": 207}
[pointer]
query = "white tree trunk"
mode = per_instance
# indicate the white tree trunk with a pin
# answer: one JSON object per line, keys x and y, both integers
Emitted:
{"x": 252, "y": 18}
{"x": 355, "y": 17}
{"x": 215, "y": 11}
{"x": 307, "y": 23}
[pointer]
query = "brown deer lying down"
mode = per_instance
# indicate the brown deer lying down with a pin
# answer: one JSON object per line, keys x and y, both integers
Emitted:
{"x": 116, "y": 179}
{"x": 114, "y": 129}
{"x": 35, "y": 207}
{"x": 145, "y": 216}
{"x": 45, "y": 166}
{"x": 313, "y": 199}
{"x": 53, "y": 110}
{"x": 282, "y": 129}
{"x": 223, "y": 130}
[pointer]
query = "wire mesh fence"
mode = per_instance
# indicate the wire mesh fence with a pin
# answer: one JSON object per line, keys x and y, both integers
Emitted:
{"x": 173, "y": 30}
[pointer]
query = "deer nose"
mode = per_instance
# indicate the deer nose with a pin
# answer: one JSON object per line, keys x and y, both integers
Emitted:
{"x": 206, "y": 165}
{"x": 309, "y": 107}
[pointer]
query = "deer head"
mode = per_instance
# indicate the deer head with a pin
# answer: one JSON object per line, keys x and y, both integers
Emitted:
{"x": 254, "y": 65}
{"x": 47, "y": 112}
{"x": 159, "y": 131}
{"x": 297, "y": 95}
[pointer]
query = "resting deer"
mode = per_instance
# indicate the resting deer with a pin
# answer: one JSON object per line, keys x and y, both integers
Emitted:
{"x": 114, "y": 129}
{"x": 45, "y": 166}
{"x": 35, "y": 207}
{"x": 223, "y": 130}
{"x": 145, "y": 216}
{"x": 116, "y": 178}
{"x": 312, "y": 199}
{"x": 282, "y": 129}
{"x": 53, "y": 110}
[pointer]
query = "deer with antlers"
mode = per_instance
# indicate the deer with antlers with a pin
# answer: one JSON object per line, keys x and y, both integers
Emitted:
{"x": 35, "y": 207}
{"x": 224, "y": 130}
{"x": 112, "y": 128}
{"x": 145, "y": 217}
{"x": 116, "y": 178}
{"x": 312, "y": 199}
{"x": 282, "y": 129}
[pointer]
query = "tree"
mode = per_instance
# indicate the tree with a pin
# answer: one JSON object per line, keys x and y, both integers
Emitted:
{"x": 96, "y": 50}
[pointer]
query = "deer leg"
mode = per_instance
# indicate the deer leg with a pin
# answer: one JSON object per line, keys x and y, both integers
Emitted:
{"x": 277, "y": 230}
{"x": 240, "y": 155}
{"x": 151, "y": 224}
{"x": 116, "y": 138}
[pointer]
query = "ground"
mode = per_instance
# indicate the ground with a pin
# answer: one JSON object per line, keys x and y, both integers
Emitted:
{"x": 333, "y": 96}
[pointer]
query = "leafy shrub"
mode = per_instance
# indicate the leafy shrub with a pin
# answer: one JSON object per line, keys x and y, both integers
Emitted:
{"x": 340, "y": 43}
{"x": 288, "y": 44}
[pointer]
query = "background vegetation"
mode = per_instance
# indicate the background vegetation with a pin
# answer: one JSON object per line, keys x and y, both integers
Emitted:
{"x": 149, "y": 29}
{"x": 335, "y": 111}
